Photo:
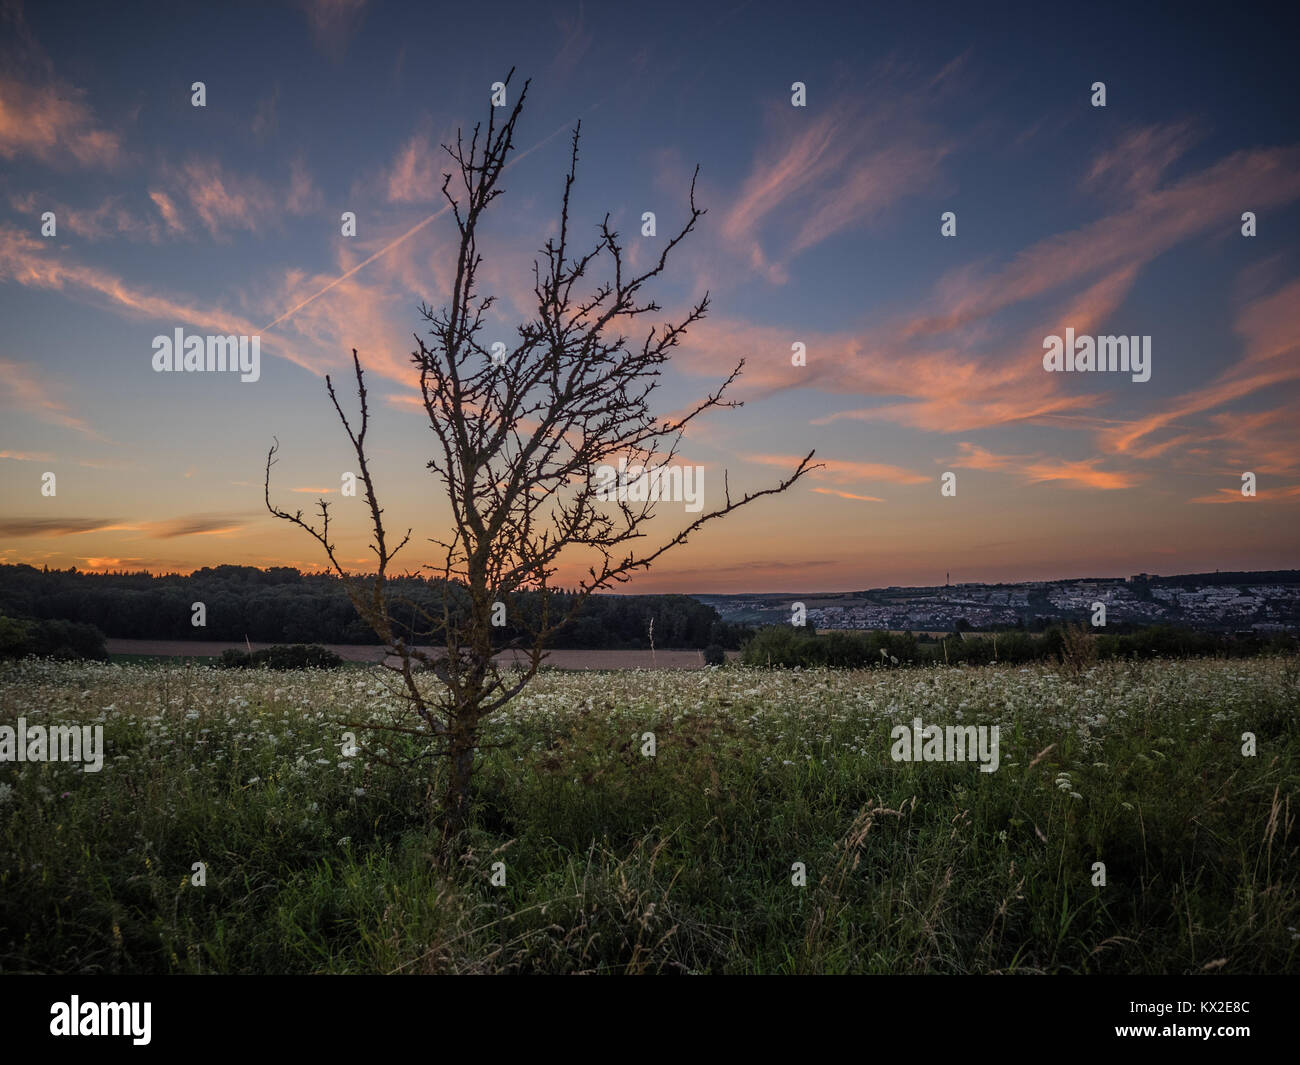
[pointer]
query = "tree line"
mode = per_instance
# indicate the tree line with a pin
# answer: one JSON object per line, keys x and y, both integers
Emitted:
{"x": 783, "y": 646}
{"x": 284, "y": 606}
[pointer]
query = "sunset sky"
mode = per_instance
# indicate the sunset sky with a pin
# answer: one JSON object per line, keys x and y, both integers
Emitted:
{"x": 924, "y": 352}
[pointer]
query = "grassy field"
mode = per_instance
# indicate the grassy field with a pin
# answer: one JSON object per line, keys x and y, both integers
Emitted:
{"x": 680, "y": 862}
{"x": 177, "y": 652}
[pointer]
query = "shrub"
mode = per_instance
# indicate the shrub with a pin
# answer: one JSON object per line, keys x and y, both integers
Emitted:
{"x": 293, "y": 656}
{"x": 715, "y": 655}
{"x": 54, "y": 638}
{"x": 14, "y": 636}
{"x": 1078, "y": 649}
{"x": 786, "y": 647}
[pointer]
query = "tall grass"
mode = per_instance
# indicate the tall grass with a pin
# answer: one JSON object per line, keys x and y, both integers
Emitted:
{"x": 681, "y": 862}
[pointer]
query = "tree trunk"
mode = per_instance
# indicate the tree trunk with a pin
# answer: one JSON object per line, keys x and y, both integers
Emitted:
{"x": 460, "y": 758}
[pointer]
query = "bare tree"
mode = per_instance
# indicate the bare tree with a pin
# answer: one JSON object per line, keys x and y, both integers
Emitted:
{"x": 519, "y": 442}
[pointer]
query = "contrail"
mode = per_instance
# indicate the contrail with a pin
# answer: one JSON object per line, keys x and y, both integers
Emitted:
{"x": 339, "y": 280}
{"x": 410, "y": 232}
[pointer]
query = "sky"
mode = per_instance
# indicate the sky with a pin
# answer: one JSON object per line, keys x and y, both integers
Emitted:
{"x": 824, "y": 227}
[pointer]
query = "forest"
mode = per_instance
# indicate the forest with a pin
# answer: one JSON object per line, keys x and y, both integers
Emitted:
{"x": 283, "y": 605}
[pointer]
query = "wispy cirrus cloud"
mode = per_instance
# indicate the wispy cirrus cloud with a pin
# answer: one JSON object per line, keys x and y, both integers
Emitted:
{"x": 26, "y": 456}
{"x": 369, "y": 314}
{"x": 822, "y": 174}
{"x": 1271, "y": 358}
{"x": 1286, "y": 494}
{"x": 196, "y": 525}
{"x": 224, "y": 200}
{"x": 53, "y": 123}
{"x": 1035, "y": 469}
{"x": 843, "y": 471}
{"x": 1127, "y": 238}
{"x": 1004, "y": 383}
{"x": 397, "y": 241}
{"x": 949, "y": 365}
{"x": 576, "y": 39}
{"x": 303, "y": 196}
{"x": 1138, "y": 161}
{"x": 110, "y": 219}
{"x": 18, "y": 527}
{"x": 333, "y": 23}
{"x": 415, "y": 175}
{"x": 167, "y": 209}
{"x": 26, "y": 389}
{"x": 45, "y": 456}
{"x": 847, "y": 495}
{"x": 29, "y": 262}
{"x": 169, "y": 529}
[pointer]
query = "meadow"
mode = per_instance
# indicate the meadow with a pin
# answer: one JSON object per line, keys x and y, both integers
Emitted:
{"x": 614, "y": 861}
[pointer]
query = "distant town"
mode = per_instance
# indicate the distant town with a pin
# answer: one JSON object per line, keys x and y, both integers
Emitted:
{"x": 1228, "y": 602}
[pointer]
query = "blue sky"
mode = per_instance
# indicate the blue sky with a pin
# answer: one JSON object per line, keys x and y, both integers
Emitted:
{"x": 924, "y": 352}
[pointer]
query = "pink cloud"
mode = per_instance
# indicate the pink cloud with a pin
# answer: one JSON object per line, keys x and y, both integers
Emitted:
{"x": 1036, "y": 469}
{"x": 303, "y": 196}
{"x": 575, "y": 41}
{"x": 333, "y": 23}
{"x": 1287, "y": 494}
{"x": 53, "y": 123}
{"x": 110, "y": 219}
{"x": 970, "y": 379}
{"x": 25, "y": 456}
{"x": 1138, "y": 161}
{"x": 29, "y": 262}
{"x": 822, "y": 174}
{"x": 842, "y": 471}
{"x": 167, "y": 209}
{"x": 223, "y": 200}
{"x": 415, "y": 176}
{"x": 1272, "y": 358}
{"x": 1126, "y": 239}
{"x": 847, "y": 495}
{"x": 26, "y": 391}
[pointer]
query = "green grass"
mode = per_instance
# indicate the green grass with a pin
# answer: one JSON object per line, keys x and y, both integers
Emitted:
{"x": 183, "y": 661}
{"x": 615, "y": 862}
{"x": 161, "y": 660}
